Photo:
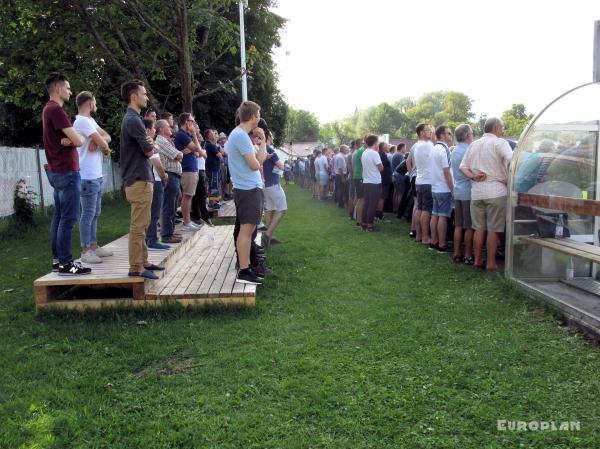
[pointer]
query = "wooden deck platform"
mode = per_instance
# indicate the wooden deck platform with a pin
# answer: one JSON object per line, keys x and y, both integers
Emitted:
{"x": 227, "y": 210}
{"x": 198, "y": 271}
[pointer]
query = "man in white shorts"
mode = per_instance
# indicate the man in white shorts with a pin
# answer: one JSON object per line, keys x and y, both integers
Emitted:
{"x": 275, "y": 201}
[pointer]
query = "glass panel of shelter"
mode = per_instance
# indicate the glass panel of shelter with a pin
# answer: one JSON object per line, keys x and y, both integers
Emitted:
{"x": 557, "y": 163}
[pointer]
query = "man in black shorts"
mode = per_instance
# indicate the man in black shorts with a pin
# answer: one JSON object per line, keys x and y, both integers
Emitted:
{"x": 244, "y": 162}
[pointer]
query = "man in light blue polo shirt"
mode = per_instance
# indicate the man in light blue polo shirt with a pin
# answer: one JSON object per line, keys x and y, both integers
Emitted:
{"x": 462, "y": 197}
{"x": 244, "y": 163}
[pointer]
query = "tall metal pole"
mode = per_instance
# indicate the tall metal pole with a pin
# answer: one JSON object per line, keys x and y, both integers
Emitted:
{"x": 597, "y": 51}
{"x": 243, "y": 53}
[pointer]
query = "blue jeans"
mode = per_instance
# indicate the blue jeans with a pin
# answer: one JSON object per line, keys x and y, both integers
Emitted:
{"x": 67, "y": 188}
{"x": 91, "y": 203}
{"x": 157, "y": 204}
{"x": 169, "y": 205}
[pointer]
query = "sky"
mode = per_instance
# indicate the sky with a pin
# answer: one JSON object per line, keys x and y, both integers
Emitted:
{"x": 339, "y": 55}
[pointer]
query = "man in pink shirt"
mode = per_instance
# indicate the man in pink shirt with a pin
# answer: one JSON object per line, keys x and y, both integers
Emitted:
{"x": 486, "y": 164}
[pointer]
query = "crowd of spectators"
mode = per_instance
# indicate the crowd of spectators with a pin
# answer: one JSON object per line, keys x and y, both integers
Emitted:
{"x": 449, "y": 186}
{"x": 167, "y": 164}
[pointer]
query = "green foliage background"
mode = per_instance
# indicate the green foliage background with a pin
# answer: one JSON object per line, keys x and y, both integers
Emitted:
{"x": 41, "y": 36}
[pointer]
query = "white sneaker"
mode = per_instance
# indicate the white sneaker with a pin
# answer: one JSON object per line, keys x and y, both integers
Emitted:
{"x": 101, "y": 252}
{"x": 189, "y": 227}
{"x": 90, "y": 257}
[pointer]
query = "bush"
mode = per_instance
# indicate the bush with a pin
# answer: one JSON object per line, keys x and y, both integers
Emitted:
{"x": 23, "y": 217}
{"x": 24, "y": 204}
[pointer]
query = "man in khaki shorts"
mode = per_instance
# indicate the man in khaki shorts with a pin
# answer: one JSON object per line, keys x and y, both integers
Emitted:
{"x": 187, "y": 141}
{"x": 486, "y": 164}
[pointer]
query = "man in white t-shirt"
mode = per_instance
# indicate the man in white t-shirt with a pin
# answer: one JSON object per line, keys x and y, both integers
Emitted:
{"x": 340, "y": 168}
{"x": 91, "y": 153}
{"x": 321, "y": 165}
{"x": 371, "y": 176}
{"x": 441, "y": 188}
{"x": 420, "y": 159}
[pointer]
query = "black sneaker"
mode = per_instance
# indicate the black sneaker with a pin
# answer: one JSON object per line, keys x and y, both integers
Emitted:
{"x": 262, "y": 271}
{"x": 412, "y": 234}
{"x": 73, "y": 269}
{"x": 248, "y": 277}
{"x": 55, "y": 267}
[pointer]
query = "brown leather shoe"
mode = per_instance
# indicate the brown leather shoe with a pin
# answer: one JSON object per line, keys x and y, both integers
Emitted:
{"x": 171, "y": 239}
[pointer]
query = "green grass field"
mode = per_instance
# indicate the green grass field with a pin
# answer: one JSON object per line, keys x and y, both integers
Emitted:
{"x": 359, "y": 341}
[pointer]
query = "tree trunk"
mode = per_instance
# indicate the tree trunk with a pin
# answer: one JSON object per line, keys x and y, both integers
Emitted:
{"x": 185, "y": 63}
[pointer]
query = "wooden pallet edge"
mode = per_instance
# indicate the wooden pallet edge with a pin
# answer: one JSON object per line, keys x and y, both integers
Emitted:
{"x": 98, "y": 304}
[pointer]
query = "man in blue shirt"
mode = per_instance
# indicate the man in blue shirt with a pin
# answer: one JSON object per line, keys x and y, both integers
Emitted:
{"x": 462, "y": 197}
{"x": 186, "y": 141}
{"x": 244, "y": 162}
{"x": 275, "y": 201}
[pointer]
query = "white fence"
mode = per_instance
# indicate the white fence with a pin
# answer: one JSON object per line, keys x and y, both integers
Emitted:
{"x": 28, "y": 164}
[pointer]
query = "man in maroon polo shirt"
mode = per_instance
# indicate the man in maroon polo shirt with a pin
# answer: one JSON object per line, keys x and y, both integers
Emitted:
{"x": 60, "y": 142}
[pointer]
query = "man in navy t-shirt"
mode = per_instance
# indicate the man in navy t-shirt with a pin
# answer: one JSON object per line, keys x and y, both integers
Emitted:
{"x": 186, "y": 141}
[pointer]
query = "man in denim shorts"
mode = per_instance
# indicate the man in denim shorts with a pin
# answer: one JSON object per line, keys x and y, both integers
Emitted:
{"x": 441, "y": 188}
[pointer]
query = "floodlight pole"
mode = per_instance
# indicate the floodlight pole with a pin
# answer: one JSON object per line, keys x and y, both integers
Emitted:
{"x": 597, "y": 51}
{"x": 243, "y": 53}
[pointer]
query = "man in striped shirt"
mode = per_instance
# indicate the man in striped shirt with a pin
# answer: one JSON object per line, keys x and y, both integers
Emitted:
{"x": 171, "y": 161}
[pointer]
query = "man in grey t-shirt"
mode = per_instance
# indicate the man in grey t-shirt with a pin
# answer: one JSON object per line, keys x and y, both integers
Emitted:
{"x": 136, "y": 171}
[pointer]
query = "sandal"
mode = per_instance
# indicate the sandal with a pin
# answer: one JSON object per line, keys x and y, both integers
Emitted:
{"x": 458, "y": 259}
{"x": 469, "y": 260}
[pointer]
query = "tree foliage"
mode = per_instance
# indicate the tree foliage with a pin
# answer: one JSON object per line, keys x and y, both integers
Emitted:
{"x": 301, "y": 126}
{"x": 515, "y": 120}
{"x": 400, "y": 118}
{"x": 186, "y": 52}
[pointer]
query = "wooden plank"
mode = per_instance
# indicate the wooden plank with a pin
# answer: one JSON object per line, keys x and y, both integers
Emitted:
{"x": 138, "y": 292}
{"x": 224, "y": 268}
{"x": 96, "y": 304}
{"x": 196, "y": 272}
{"x": 559, "y": 203}
{"x": 227, "y": 210}
{"x": 178, "y": 272}
{"x": 204, "y": 288}
{"x": 188, "y": 275}
{"x": 87, "y": 280}
{"x": 567, "y": 246}
{"x": 229, "y": 282}
{"x": 204, "y": 264}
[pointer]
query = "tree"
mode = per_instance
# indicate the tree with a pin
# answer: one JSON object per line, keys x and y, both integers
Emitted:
{"x": 515, "y": 120}
{"x": 302, "y": 126}
{"x": 114, "y": 42}
{"x": 337, "y": 133}
{"x": 386, "y": 119}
